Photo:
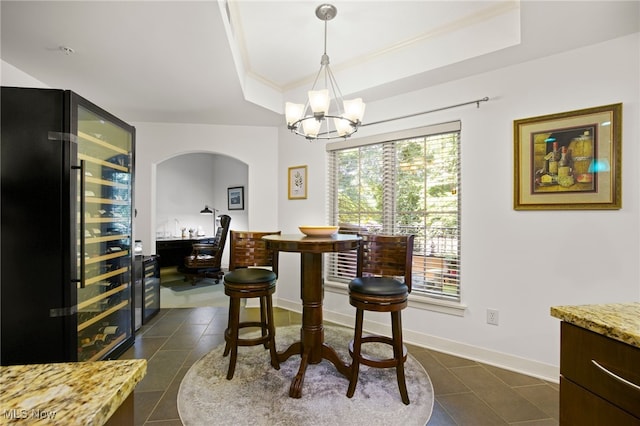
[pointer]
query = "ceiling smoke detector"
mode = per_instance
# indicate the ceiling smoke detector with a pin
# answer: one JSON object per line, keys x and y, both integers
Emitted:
{"x": 67, "y": 50}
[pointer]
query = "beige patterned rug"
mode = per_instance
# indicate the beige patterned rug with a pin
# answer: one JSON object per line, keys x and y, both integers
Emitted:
{"x": 258, "y": 394}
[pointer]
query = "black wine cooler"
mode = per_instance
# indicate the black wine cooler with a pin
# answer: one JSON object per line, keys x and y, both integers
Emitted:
{"x": 67, "y": 250}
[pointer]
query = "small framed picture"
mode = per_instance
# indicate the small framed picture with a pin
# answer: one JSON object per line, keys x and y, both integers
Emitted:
{"x": 235, "y": 198}
{"x": 297, "y": 182}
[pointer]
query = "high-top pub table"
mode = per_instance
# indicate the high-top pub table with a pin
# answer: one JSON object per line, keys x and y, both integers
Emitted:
{"x": 311, "y": 347}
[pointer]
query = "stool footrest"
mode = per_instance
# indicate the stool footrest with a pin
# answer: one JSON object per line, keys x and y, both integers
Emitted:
{"x": 249, "y": 341}
{"x": 378, "y": 362}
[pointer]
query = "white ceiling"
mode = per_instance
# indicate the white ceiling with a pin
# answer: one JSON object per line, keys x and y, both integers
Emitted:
{"x": 236, "y": 62}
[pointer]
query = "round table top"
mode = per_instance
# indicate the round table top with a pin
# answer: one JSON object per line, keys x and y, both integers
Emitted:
{"x": 303, "y": 243}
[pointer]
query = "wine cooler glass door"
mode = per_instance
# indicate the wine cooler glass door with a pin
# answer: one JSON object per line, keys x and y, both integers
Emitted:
{"x": 104, "y": 234}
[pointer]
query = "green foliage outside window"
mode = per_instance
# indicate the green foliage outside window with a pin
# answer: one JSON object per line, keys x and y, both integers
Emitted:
{"x": 406, "y": 187}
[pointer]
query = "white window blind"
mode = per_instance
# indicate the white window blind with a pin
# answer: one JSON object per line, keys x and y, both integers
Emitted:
{"x": 401, "y": 183}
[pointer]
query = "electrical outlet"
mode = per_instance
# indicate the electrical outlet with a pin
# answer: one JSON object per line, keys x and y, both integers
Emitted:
{"x": 492, "y": 316}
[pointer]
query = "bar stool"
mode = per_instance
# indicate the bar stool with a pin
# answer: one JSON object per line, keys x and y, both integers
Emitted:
{"x": 382, "y": 284}
{"x": 244, "y": 281}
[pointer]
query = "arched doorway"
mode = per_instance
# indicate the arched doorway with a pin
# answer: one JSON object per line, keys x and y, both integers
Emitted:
{"x": 185, "y": 184}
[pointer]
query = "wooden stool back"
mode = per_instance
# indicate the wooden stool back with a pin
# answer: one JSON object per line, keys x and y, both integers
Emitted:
{"x": 247, "y": 278}
{"x": 386, "y": 256}
{"x": 247, "y": 249}
{"x": 382, "y": 284}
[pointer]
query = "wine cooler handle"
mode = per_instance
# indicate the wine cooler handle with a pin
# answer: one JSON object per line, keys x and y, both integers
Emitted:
{"x": 81, "y": 280}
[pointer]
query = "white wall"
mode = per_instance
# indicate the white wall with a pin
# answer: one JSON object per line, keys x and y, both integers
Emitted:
{"x": 254, "y": 146}
{"x": 189, "y": 182}
{"x": 12, "y": 76}
{"x": 518, "y": 262}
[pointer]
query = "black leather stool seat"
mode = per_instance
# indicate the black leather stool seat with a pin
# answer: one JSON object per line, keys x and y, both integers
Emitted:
{"x": 378, "y": 286}
{"x": 250, "y": 276}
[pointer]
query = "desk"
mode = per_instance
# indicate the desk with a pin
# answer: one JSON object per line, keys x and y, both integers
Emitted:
{"x": 311, "y": 347}
{"x": 172, "y": 251}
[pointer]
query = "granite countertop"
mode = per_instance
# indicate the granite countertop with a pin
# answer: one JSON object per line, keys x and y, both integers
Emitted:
{"x": 619, "y": 321}
{"x": 74, "y": 393}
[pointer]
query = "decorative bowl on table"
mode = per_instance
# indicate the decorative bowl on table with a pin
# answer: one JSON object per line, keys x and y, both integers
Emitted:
{"x": 318, "y": 231}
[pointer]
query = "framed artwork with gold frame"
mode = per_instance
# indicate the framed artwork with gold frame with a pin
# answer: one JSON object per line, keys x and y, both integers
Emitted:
{"x": 297, "y": 178}
{"x": 569, "y": 161}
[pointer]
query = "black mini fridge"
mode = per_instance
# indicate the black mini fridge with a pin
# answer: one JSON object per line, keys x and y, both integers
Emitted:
{"x": 67, "y": 178}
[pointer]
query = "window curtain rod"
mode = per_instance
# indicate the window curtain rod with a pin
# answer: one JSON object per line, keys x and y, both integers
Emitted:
{"x": 477, "y": 102}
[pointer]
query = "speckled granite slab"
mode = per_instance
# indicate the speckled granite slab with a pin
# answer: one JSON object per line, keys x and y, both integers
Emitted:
{"x": 619, "y": 321}
{"x": 82, "y": 393}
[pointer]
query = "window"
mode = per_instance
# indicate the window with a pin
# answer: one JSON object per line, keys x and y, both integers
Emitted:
{"x": 402, "y": 183}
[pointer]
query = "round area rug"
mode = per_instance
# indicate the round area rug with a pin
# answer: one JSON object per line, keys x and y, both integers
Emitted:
{"x": 259, "y": 395}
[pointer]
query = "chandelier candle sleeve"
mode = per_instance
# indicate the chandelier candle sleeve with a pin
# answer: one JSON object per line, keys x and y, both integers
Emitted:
{"x": 311, "y": 128}
{"x": 293, "y": 112}
{"x": 342, "y": 126}
{"x": 319, "y": 102}
{"x": 354, "y": 109}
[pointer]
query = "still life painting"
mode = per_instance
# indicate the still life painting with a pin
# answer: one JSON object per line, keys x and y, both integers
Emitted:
{"x": 569, "y": 160}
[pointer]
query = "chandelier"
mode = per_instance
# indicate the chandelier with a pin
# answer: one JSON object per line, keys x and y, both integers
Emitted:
{"x": 326, "y": 115}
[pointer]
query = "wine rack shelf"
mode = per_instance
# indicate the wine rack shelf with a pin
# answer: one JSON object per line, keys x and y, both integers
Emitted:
{"x": 106, "y": 349}
{"x": 87, "y": 303}
{"x": 102, "y": 315}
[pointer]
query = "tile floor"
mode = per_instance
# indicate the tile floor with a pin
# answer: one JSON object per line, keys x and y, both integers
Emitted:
{"x": 467, "y": 392}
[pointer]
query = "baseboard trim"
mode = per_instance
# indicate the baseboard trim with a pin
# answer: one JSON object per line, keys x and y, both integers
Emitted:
{"x": 510, "y": 362}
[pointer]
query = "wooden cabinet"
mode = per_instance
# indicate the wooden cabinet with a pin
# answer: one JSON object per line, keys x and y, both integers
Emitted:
{"x": 600, "y": 379}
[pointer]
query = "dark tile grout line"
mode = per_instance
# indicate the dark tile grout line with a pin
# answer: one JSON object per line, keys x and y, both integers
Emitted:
{"x": 184, "y": 364}
{"x": 428, "y": 352}
{"x": 166, "y": 389}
